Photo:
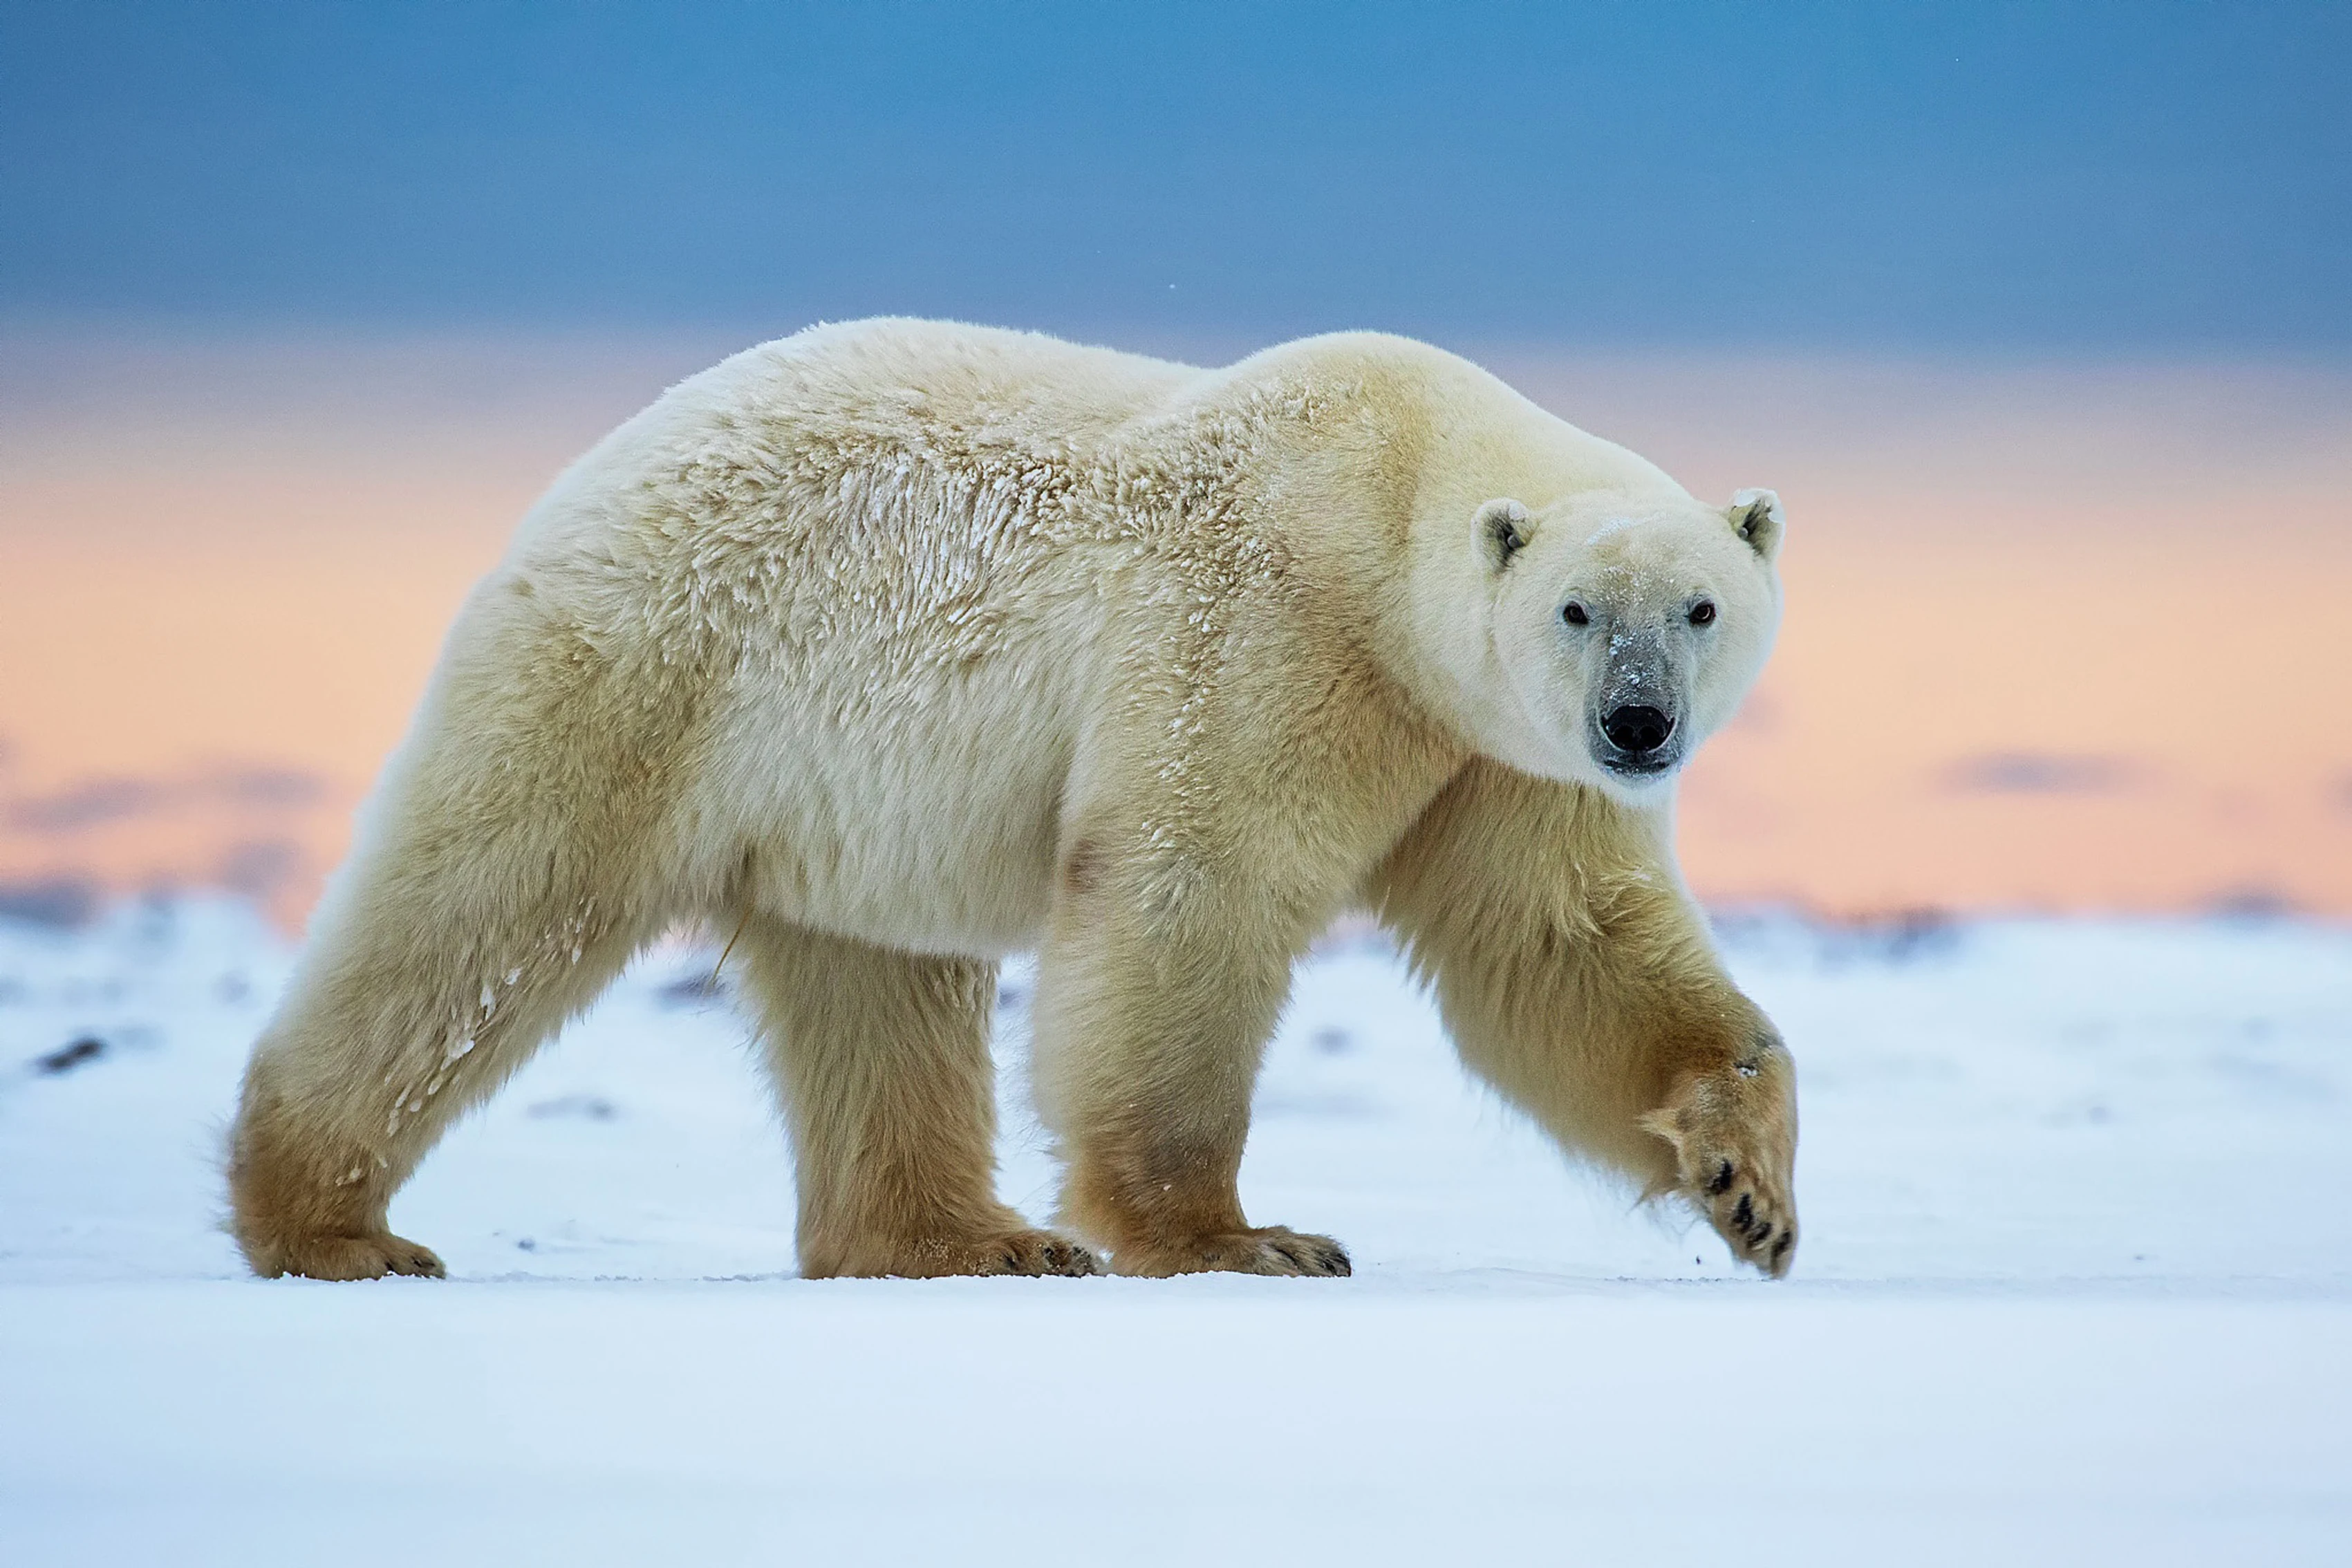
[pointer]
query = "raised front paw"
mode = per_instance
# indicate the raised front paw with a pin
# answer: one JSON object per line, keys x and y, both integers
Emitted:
{"x": 1266, "y": 1249}
{"x": 1734, "y": 1134}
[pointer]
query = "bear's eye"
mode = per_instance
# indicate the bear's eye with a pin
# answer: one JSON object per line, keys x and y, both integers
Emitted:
{"x": 1703, "y": 613}
{"x": 1575, "y": 617}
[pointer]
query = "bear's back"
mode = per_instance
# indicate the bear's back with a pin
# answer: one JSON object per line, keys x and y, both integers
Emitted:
{"x": 928, "y": 382}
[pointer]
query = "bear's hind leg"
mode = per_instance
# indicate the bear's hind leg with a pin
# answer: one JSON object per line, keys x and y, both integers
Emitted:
{"x": 881, "y": 1063}
{"x": 425, "y": 984}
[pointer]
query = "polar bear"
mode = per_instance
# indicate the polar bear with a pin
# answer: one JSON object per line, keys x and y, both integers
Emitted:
{"x": 897, "y": 646}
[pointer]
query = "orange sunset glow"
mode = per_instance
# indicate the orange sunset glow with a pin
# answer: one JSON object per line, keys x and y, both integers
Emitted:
{"x": 2059, "y": 636}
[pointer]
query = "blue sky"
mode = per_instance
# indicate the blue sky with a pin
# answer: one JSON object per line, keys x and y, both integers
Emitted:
{"x": 2144, "y": 177}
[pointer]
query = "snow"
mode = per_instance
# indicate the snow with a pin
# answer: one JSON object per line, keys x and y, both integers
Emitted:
{"x": 2074, "y": 1288}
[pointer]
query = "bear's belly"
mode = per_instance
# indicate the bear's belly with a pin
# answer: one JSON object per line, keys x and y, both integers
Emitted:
{"x": 932, "y": 827}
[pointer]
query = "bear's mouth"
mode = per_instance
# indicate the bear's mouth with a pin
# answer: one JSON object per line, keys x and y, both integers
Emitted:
{"x": 1639, "y": 768}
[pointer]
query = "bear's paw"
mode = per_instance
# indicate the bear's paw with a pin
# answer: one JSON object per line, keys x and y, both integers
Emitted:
{"x": 345, "y": 1258}
{"x": 1266, "y": 1249}
{"x": 1734, "y": 1135}
{"x": 1016, "y": 1252}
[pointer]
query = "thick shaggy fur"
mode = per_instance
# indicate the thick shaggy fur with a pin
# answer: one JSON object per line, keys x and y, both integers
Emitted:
{"x": 897, "y": 646}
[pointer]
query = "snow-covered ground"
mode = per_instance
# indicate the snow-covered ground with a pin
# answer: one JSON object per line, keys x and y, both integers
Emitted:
{"x": 2074, "y": 1288}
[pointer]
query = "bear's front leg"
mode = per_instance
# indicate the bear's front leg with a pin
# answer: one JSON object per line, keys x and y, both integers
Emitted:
{"x": 1578, "y": 978}
{"x": 1152, "y": 1012}
{"x": 1662, "y": 1069}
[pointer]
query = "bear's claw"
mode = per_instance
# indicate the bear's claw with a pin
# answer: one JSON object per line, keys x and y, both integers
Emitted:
{"x": 1038, "y": 1252}
{"x": 1758, "y": 1229}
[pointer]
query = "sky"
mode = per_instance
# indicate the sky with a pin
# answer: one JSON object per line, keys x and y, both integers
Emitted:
{"x": 2144, "y": 175}
{"x": 2037, "y": 316}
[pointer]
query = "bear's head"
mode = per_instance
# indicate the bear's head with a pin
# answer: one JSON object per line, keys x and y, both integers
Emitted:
{"x": 1627, "y": 628}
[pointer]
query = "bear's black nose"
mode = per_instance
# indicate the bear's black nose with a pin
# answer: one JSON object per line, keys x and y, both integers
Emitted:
{"x": 1637, "y": 729}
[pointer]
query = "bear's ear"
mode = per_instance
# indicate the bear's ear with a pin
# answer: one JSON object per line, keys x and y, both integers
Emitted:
{"x": 1504, "y": 529}
{"x": 1755, "y": 516}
